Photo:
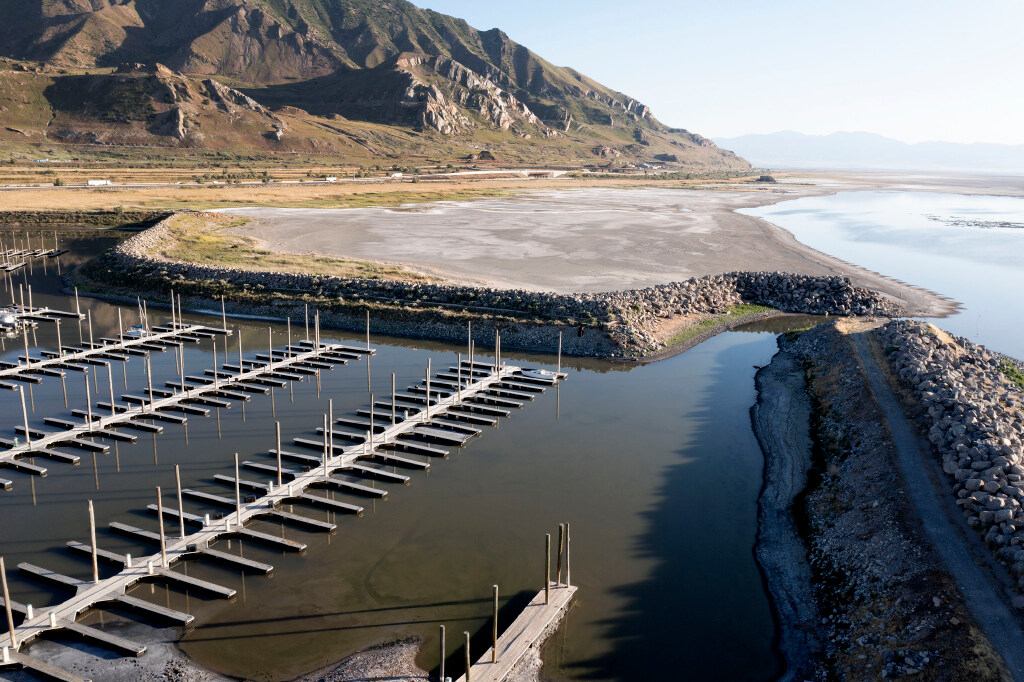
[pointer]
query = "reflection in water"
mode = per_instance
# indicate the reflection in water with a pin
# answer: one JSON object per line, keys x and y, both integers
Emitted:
{"x": 654, "y": 467}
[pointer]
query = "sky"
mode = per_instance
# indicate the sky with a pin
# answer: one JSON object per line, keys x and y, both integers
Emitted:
{"x": 907, "y": 69}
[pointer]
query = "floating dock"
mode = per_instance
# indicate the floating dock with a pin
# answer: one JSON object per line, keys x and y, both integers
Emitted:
{"x": 285, "y": 487}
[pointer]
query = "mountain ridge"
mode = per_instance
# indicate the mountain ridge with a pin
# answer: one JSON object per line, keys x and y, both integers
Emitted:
{"x": 870, "y": 151}
{"x": 386, "y": 62}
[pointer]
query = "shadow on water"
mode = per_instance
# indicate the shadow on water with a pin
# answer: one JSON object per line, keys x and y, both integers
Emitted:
{"x": 675, "y": 622}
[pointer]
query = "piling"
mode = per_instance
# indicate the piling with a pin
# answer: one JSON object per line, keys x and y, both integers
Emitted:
{"x": 24, "y": 414}
{"x": 367, "y": 330}
{"x": 181, "y": 508}
{"x": 238, "y": 495}
{"x": 393, "y": 415}
{"x": 149, "y": 383}
{"x": 160, "y": 518}
{"x": 279, "y": 474}
{"x": 469, "y": 661}
{"x": 60, "y": 347}
{"x": 7, "y": 605}
{"x": 426, "y": 411}
{"x": 568, "y": 580}
{"x": 223, "y": 313}
{"x": 494, "y": 629}
{"x": 92, "y": 539}
{"x": 559, "y": 352}
{"x": 561, "y": 548}
{"x": 441, "y": 672}
{"x": 547, "y": 567}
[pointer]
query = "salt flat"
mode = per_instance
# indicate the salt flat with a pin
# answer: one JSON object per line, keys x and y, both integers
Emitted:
{"x": 590, "y": 239}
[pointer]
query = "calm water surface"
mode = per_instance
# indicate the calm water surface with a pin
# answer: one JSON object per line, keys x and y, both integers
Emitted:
{"x": 655, "y": 467}
{"x": 968, "y": 248}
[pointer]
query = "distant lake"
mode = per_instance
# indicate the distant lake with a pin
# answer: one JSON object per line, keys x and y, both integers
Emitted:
{"x": 967, "y": 247}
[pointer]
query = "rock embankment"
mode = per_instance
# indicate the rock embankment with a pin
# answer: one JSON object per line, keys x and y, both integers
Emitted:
{"x": 885, "y": 606}
{"x": 973, "y": 414}
{"x": 629, "y": 319}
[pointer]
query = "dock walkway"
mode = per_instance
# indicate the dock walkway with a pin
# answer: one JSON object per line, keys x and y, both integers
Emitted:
{"x": 527, "y": 629}
{"x": 270, "y": 496}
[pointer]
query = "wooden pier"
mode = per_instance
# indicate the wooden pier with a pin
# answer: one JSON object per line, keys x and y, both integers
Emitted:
{"x": 477, "y": 385}
{"x": 541, "y": 613}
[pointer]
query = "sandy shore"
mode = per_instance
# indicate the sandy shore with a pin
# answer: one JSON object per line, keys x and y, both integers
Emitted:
{"x": 590, "y": 239}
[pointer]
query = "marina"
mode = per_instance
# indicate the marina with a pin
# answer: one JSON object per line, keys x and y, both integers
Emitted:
{"x": 407, "y": 430}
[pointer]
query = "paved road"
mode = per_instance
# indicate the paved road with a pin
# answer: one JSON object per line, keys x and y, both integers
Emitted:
{"x": 988, "y": 606}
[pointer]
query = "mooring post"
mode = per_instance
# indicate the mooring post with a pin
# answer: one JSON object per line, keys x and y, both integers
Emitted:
{"x": 216, "y": 368}
{"x": 241, "y": 367}
{"x": 279, "y": 473}
{"x": 238, "y": 495}
{"x": 24, "y": 413}
{"x": 270, "y": 347}
{"x": 223, "y": 314}
{"x": 7, "y": 605}
{"x": 307, "y": 322}
{"x": 393, "y": 415}
{"x": 88, "y": 402}
{"x": 60, "y": 347}
{"x": 426, "y": 411}
{"x": 495, "y": 351}
{"x": 288, "y": 323}
{"x": 561, "y": 548}
{"x": 494, "y": 632}
{"x": 88, "y": 317}
{"x": 160, "y": 518}
{"x": 469, "y": 663}
{"x": 547, "y": 566}
{"x": 330, "y": 426}
{"x": 24, "y": 335}
{"x": 568, "y": 580}
{"x": 145, "y": 317}
{"x": 559, "y": 354}
{"x": 372, "y": 409}
{"x": 459, "y": 372}
{"x": 325, "y": 444}
{"x": 149, "y": 383}
{"x": 441, "y": 672}
{"x": 92, "y": 539}
{"x": 367, "y": 330}
{"x": 120, "y": 328}
{"x": 181, "y": 508}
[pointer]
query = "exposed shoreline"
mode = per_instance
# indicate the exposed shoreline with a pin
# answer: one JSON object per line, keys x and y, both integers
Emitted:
{"x": 876, "y": 598}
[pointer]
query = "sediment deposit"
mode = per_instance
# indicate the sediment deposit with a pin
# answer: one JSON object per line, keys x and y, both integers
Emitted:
{"x": 617, "y": 324}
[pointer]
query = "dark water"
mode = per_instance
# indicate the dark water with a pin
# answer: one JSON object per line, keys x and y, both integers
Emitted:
{"x": 655, "y": 467}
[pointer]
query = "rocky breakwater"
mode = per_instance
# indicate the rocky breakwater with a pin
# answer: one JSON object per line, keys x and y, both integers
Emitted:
{"x": 971, "y": 409}
{"x": 622, "y": 324}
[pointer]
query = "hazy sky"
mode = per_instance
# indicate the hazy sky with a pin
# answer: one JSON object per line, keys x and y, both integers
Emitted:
{"x": 910, "y": 69}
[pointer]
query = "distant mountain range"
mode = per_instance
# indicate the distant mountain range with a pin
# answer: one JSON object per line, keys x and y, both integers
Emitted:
{"x": 867, "y": 151}
{"x": 360, "y": 77}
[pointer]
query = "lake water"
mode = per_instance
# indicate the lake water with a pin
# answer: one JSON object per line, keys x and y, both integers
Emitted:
{"x": 655, "y": 467}
{"x": 965, "y": 247}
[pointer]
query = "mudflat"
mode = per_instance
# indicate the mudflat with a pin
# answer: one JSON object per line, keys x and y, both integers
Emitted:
{"x": 589, "y": 239}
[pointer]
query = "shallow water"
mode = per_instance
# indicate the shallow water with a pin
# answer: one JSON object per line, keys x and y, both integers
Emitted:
{"x": 965, "y": 247}
{"x": 655, "y": 467}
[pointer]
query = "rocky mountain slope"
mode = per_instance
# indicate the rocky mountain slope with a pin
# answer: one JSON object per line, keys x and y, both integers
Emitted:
{"x": 329, "y": 64}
